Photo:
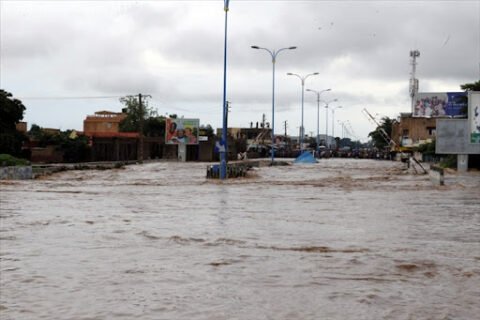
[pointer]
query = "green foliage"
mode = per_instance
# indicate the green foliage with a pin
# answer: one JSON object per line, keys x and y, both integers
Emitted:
{"x": 35, "y": 131}
{"x": 449, "y": 161}
{"x": 475, "y": 86}
{"x": 154, "y": 127}
{"x": 7, "y": 160}
{"x": 206, "y": 130}
{"x": 74, "y": 149}
{"x": 11, "y": 113}
{"x": 135, "y": 113}
{"x": 427, "y": 148}
{"x": 44, "y": 138}
{"x": 377, "y": 137}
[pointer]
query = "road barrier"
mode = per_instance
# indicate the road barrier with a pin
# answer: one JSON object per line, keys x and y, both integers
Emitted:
{"x": 437, "y": 175}
{"x": 16, "y": 173}
{"x": 237, "y": 170}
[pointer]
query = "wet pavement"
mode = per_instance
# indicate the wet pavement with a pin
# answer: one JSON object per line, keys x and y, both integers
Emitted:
{"x": 341, "y": 239}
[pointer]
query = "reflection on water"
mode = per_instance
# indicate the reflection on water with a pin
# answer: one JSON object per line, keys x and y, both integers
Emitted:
{"x": 341, "y": 239}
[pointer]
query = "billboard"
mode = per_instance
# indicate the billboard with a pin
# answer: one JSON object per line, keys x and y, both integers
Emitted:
{"x": 474, "y": 116}
{"x": 181, "y": 131}
{"x": 439, "y": 104}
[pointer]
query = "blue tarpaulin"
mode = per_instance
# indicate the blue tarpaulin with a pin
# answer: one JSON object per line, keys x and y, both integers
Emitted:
{"x": 305, "y": 157}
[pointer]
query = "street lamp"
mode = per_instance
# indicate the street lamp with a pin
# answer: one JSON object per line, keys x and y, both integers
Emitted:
{"x": 342, "y": 123}
{"x": 223, "y": 149}
{"x": 273, "y": 54}
{"x": 318, "y": 93}
{"x": 302, "y": 79}
{"x": 326, "y": 119}
{"x": 333, "y": 122}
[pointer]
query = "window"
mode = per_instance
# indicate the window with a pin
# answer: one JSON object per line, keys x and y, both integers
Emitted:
{"x": 432, "y": 131}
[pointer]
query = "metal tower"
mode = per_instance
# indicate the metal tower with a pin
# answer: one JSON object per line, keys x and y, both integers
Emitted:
{"x": 413, "y": 81}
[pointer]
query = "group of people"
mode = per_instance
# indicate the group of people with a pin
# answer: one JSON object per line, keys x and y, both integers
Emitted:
{"x": 179, "y": 134}
{"x": 430, "y": 107}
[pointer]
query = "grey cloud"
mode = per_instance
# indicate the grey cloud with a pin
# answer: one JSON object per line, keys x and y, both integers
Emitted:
{"x": 100, "y": 46}
{"x": 379, "y": 36}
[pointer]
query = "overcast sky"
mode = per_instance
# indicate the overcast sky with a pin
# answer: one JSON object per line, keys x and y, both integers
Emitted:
{"x": 173, "y": 51}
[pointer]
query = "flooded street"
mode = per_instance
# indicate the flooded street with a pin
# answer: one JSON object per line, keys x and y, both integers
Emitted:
{"x": 341, "y": 239}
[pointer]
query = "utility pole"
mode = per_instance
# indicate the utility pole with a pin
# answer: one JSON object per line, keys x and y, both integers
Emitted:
{"x": 227, "y": 110}
{"x": 140, "y": 127}
{"x": 285, "y": 126}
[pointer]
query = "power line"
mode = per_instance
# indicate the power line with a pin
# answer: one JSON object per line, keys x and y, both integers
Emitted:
{"x": 70, "y": 98}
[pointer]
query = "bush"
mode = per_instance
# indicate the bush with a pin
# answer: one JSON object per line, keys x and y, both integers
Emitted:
{"x": 449, "y": 161}
{"x": 7, "y": 160}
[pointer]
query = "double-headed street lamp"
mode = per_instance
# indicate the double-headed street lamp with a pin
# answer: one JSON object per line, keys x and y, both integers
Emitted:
{"x": 318, "y": 93}
{"x": 344, "y": 129}
{"x": 326, "y": 119}
{"x": 302, "y": 79}
{"x": 273, "y": 54}
{"x": 342, "y": 123}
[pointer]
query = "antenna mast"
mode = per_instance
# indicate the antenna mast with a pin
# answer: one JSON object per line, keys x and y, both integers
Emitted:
{"x": 413, "y": 81}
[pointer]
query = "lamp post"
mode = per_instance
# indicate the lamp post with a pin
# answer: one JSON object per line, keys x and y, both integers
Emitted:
{"x": 341, "y": 126}
{"x": 326, "y": 119}
{"x": 318, "y": 93}
{"x": 223, "y": 150}
{"x": 302, "y": 79}
{"x": 273, "y": 54}
{"x": 333, "y": 122}
{"x": 342, "y": 123}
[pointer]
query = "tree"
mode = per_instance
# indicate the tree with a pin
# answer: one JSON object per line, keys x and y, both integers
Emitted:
{"x": 134, "y": 113}
{"x": 384, "y": 129}
{"x": 154, "y": 127}
{"x": 74, "y": 148}
{"x": 475, "y": 86}
{"x": 11, "y": 113}
{"x": 206, "y": 130}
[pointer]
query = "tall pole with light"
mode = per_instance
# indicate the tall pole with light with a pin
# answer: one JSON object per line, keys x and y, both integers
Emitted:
{"x": 333, "y": 122}
{"x": 302, "y": 79}
{"x": 223, "y": 149}
{"x": 326, "y": 119}
{"x": 318, "y": 93}
{"x": 273, "y": 54}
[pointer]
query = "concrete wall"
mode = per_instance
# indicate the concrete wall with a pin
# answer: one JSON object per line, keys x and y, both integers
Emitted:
{"x": 453, "y": 137}
{"x": 48, "y": 154}
{"x": 16, "y": 173}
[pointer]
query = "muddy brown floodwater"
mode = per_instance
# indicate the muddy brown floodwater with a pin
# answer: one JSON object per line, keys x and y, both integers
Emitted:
{"x": 341, "y": 239}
